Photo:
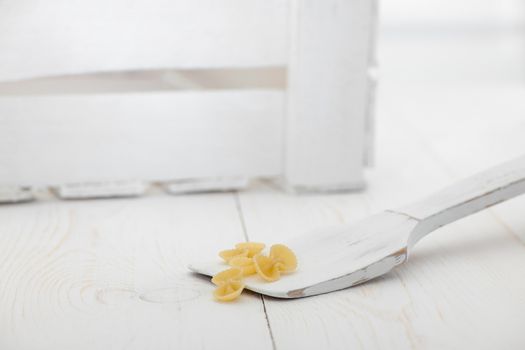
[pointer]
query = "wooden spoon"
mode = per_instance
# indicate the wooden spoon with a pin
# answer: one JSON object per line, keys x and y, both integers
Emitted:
{"x": 333, "y": 259}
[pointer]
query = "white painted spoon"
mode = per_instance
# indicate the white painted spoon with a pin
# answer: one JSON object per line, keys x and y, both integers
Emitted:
{"x": 334, "y": 259}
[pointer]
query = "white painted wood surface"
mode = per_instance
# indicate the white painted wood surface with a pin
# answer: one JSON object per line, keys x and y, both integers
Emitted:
{"x": 468, "y": 196}
{"x": 15, "y": 194}
{"x": 213, "y": 184}
{"x": 73, "y": 273}
{"x": 336, "y": 258}
{"x": 461, "y": 282}
{"x": 111, "y": 274}
{"x": 108, "y": 189}
{"x": 149, "y": 137}
{"x": 64, "y": 69}
{"x": 328, "y": 92}
{"x": 64, "y": 37}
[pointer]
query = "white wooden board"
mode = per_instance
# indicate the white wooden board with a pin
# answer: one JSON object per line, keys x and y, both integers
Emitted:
{"x": 485, "y": 132}
{"x": 329, "y": 89}
{"x": 14, "y": 194}
{"x": 461, "y": 281}
{"x": 53, "y": 140}
{"x": 71, "y": 37}
{"x": 317, "y": 57}
{"x": 111, "y": 273}
{"x": 211, "y": 184}
{"x": 108, "y": 189}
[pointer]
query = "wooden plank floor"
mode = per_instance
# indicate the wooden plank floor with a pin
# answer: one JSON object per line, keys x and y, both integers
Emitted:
{"x": 110, "y": 274}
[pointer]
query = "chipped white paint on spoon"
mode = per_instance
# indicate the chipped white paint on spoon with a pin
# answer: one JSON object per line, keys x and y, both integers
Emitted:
{"x": 333, "y": 259}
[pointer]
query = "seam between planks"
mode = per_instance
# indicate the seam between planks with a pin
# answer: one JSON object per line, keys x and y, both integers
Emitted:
{"x": 241, "y": 215}
{"x": 245, "y": 233}
{"x": 274, "y": 347}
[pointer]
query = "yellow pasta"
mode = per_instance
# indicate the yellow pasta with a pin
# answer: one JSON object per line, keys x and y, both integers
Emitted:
{"x": 281, "y": 259}
{"x": 245, "y": 264}
{"x": 282, "y": 254}
{"x": 233, "y": 274}
{"x": 246, "y": 260}
{"x": 229, "y": 254}
{"x": 245, "y": 249}
{"x": 229, "y": 284}
{"x": 252, "y": 247}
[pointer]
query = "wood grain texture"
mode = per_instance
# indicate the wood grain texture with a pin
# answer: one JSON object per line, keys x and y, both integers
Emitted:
{"x": 325, "y": 47}
{"x": 497, "y": 138}
{"x": 111, "y": 274}
{"x": 337, "y": 258}
{"x": 459, "y": 283}
{"x": 71, "y": 271}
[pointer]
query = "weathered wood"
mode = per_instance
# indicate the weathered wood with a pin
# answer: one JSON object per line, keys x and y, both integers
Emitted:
{"x": 15, "y": 194}
{"x": 107, "y": 189}
{"x": 326, "y": 48}
{"x": 110, "y": 274}
{"x": 460, "y": 282}
{"x": 336, "y": 258}
{"x": 342, "y": 257}
{"x": 213, "y": 184}
{"x": 470, "y": 145}
{"x": 68, "y": 267}
{"x": 466, "y": 197}
{"x": 464, "y": 278}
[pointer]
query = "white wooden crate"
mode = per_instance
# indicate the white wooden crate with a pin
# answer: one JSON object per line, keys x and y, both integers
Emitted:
{"x": 177, "y": 90}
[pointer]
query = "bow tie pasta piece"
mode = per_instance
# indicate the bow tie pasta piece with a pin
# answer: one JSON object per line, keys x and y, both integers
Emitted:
{"x": 281, "y": 259}
{"x": 229, "y": 254}
{"x": 229, "y": 284}
{"x": 245, "y": 249}
{"x": 233, "y": 274}
{"x": 245, "y": 264}
{"x": 229, "y": 291}
{"x": 246, "y": 260}
{"x": 266, "y": 268}
{"x": 283, "y": 254}
{"x": 253, "y": 248}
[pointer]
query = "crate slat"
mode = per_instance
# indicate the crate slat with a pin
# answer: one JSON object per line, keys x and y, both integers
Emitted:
{"x": 44, "y": 38}
{"x": 328, "y": 93}
{"x": 53, "y": 140}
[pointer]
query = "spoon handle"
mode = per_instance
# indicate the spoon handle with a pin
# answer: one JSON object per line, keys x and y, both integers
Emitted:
{"x": 467, "y": 196}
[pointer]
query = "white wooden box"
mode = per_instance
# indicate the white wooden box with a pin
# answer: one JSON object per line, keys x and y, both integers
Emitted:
{"x": 214, "y": 92}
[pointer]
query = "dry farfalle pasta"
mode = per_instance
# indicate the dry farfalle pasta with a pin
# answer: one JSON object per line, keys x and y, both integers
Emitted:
{"x": 280, "y": 260}
{"x": 229, "y": 284}
{"x": 246, "y": 259}
{"x": 245, "y": 264}
{"x": 246, "y": 249}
